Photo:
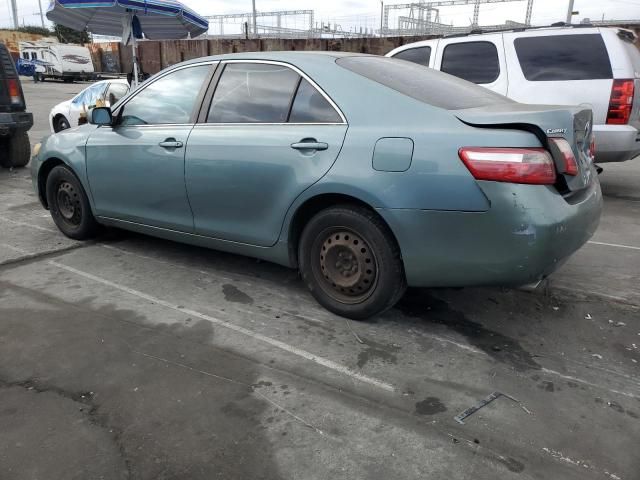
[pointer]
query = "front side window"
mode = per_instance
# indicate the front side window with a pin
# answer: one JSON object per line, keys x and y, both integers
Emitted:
{"x": 169, "y": 100}
{"x": 253, "y": 93}
{"x": 563, "y": 57}
{"x": 419, "y": 55}
{"x": 475, "y": 62}
{"x": 310, "y": 106}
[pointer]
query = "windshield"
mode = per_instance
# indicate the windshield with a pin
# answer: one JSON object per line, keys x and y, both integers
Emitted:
{"x": 422, "y": 83}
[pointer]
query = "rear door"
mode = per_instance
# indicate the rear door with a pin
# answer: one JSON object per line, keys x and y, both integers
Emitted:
{"x": 266, "y": 135}
{"x": 560, "y": 67}
{"x": 477, "y": 59}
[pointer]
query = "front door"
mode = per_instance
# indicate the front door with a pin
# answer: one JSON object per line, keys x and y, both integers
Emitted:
{"x": 136, "y": 168}
{"x": 269, "y": 134}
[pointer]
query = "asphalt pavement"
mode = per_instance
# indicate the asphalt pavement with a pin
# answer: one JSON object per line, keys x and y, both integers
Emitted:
{"x": 137, "y": 358}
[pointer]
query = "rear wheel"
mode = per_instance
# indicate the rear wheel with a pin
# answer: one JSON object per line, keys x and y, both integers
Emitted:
{"x": 351, "y": 262}
{"x": 15, "y": 151}
{"x": 69, "y": 205}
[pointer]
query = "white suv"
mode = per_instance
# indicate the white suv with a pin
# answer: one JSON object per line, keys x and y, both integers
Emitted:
{"x": 566, "y": 65}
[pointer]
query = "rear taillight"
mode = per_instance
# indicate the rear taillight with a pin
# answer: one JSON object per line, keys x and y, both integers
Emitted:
{"x": 621, "y": 102}
{"x": 568, "y": 158}
{"x": 514, "y": 165}
{"x": 14, "y": 91}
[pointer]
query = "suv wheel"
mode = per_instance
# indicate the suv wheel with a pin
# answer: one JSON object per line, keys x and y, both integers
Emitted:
{"x": 16, "y": 151}
{"x": 69, "y": 205}
{"x": 351, "y": 262}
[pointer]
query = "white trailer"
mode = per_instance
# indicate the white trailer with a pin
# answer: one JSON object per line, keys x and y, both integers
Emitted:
{"x": 61, "y": 61}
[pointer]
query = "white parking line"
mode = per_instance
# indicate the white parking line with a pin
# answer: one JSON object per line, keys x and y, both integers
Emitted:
{"x": 616, "y": 245}
{"x": 257, "y": 336}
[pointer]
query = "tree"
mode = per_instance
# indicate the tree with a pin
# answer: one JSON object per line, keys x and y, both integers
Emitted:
{"x": 45, "y": 32}
{"x": 69, "y": 35}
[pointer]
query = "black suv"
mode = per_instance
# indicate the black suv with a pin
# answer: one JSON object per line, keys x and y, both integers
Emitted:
{"x": 14, "y": 120}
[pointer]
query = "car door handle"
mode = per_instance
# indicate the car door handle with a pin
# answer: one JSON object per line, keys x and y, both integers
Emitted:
{"x": 310, "y": 146}
{"x": 171, "y": 143}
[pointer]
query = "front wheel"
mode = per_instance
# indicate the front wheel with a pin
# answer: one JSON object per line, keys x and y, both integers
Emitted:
{"x": 61, "y": 124}
{"x": 350, "y": 262}
{"x": 69, "y": 205}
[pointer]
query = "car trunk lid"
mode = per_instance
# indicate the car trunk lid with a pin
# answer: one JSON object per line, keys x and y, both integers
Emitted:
{"x": 573, "y": 124}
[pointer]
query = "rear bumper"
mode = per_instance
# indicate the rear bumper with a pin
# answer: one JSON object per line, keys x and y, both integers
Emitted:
{"x": 15, "y": 122}
{"x": 528, "y": 232}
{"x": 616, "y": 143}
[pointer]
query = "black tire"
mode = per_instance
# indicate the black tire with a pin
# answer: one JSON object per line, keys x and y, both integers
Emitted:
{"x": 15, "y": 151}
{"x": 69, "y": 205}
{"x": 41, "y": 77}
{"x": 4, "y": 153}
{"x": 351, "y": 262}
{"x": 61, "y": 124}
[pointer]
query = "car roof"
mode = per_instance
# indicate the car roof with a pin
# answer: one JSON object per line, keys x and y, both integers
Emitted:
{"x": 281, "y": 56}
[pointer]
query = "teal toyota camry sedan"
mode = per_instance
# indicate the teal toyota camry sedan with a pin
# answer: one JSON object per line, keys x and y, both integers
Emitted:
{"x": 368, "y": 174}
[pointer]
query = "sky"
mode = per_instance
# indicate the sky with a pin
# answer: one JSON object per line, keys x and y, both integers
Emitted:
{"x": 353, "y": 14}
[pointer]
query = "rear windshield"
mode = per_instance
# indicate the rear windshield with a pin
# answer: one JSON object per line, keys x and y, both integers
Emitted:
{"x": 424, "y": 84}
{"x": 563, "y": 57}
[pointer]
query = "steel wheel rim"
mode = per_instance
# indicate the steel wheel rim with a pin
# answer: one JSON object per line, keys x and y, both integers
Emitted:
{"x": 69, "y": 206}
{"x": 63, "y": 125}
{"x": 345, "y": 265}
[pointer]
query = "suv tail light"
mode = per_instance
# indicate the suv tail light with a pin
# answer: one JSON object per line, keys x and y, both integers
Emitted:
{"x": 514, "y": 165}
{"x": 620, "y": 102}
{"x": 14, "y": 91}
{"x": 568, "y": 158}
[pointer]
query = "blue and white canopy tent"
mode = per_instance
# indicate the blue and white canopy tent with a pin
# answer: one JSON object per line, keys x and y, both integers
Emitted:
{"x": 131, "y": 19}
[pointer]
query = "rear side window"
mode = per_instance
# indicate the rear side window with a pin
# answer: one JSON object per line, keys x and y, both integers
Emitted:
{"x": 476, "y": 62}
{"x": 563, "y": 57}
{"x": 310, "y": 106}
{"x": 419, "y": 55}
{"x": 423, "y": 84}
{"x": 253, "y": 93}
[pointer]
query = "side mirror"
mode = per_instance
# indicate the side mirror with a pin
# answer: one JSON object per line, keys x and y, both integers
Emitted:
{"x": 101, "y": 116}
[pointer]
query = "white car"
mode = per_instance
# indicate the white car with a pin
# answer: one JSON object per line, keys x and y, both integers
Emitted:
{"x": 565, "y": 65}
{"x": 67, "y": 114}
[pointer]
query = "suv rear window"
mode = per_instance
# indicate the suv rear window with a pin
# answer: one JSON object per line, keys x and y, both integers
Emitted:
{"x": 424, "y": 84}
{"x": 419, "y": 55}
{"x": 563, "y": 57}
{"x": 476, "y": 62}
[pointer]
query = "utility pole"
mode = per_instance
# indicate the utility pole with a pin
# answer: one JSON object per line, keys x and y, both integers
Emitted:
{"x": 41, "y": 15}
{"x": 255, "y": 28}
{"x": 570, "y": 11}
{"x": 14, "y": 12}
{"x": 381, "y": 17}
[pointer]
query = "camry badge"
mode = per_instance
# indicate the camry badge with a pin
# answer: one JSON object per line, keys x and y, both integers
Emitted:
{"x": 551, "y": 131}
